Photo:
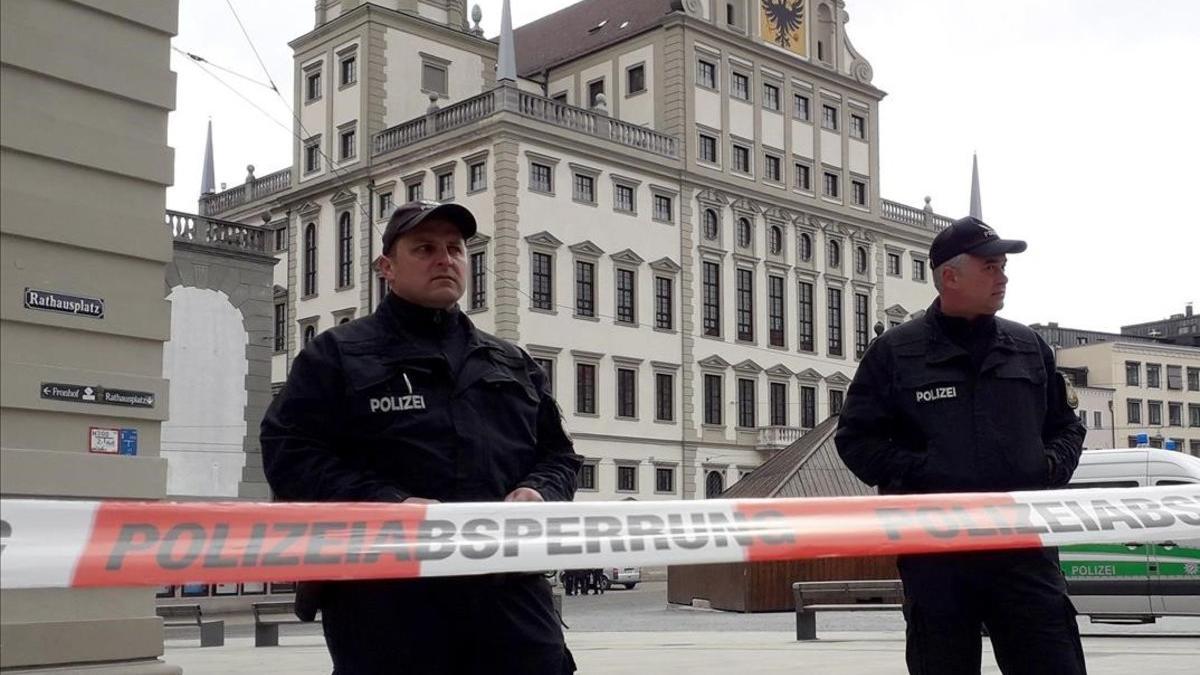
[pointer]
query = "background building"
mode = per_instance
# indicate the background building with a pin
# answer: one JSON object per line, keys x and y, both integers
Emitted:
{"x": 1183, "y": 329}
{"x": 678, "y": 205}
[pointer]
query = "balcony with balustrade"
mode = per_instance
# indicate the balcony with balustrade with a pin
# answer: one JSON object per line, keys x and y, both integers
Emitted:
{"x": 219, "y": 235}
{"x": 774, "y": 439}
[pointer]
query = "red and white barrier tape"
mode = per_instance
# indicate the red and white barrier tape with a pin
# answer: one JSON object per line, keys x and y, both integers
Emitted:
{"x": 86, "y": 543}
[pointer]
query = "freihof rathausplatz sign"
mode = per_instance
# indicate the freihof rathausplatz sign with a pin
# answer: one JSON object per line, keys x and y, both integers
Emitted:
{"x": 62, "y": 303}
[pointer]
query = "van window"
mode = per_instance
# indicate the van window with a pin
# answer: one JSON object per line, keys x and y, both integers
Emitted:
{"x": 1103, "y": 484}
{"x": 1173, "y": 481}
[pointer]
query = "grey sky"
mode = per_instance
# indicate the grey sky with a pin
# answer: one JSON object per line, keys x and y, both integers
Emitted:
{"x": 1079, "y": 110}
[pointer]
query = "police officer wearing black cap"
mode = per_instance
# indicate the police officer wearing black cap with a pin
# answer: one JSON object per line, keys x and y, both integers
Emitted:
{"x": 414, "y": 404}
{"x": 962, "y": 401}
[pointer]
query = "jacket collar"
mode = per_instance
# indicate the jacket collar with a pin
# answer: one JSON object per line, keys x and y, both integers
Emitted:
{"x": 942, "y": 348}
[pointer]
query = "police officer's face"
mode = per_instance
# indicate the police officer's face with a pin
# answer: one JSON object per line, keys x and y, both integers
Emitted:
{"x": 977, "y": 287}
{"x": 428, "y": 265}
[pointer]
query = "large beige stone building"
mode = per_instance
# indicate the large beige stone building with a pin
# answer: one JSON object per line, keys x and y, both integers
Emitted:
{"x": 679, "y": 207}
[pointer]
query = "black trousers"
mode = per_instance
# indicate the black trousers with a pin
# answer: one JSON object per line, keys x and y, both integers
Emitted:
{"x": 452, "y": 626}
{"x": 1020, "y": 596}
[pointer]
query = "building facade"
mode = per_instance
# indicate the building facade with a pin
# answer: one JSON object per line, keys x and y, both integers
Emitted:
{"x": 678, "y": 207}
{"x": 1182, "y": 329}
{"x": 1156, "y": 390}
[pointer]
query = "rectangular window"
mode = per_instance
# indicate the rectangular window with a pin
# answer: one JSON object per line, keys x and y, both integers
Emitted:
{"x": 595, "y": 91}
{"x": 918, "y": 269}
{"x": 708, "y": 149}
{"x": 706, "y": 74}
{"x": 712, "y": 399}
{"x": 445, "y": 186}
{"x": 858, "y": 192}
{"x": 664, "y": 479}
{"x": 1174, "y": 414}
{"x": 626, "y": 392}
{"x": 808, "y": 407}
{"x": 1153, "y": 370}
{"x": 345, "y": 252}
{"x": 585, "y": 288}
{"x": 835, "y": 321}
{"x": 800, "y": 108}
{"x": 623, "y": 198}
{"x": 385, "y": 204}
{"x": 778, "y": 404}
{"x": 477, "y": 177}
{"x": 741, "y": 158}
{"x": 746, "y": 403}
{"x": 770, "y": 97}
{"x": 1083, "y": 418}
{"x": 416, "y": 192}
{"x": 664, "y": 397}
{"x": 829, "y": 117}
{"x": 585, "y": 388}
{"x": 349, "y": 70}
{"x": 560, "y": 97}
{"x": 312, "y": 86}
{"x": 346, "y": 144}
{"x": 281, "y": 239}
{"x": 832, "y": 189}
{"x": 893, "y": 264}
{"x": 478, "y": 280}
{"x": 1193, "y": 379}
{"x": 543, "y": 288}
{"x": 635, "y": 80}
{"x": 434, "y": 78}
{"x": 745, "y": 305}
{"x": 1175, "y": 377}
{"x": 1133, "y": 410}
{"x": 836, "y": 398}
{"x": 280, "y": 326}
{"x": 1154, "y": 413}
{"x": 712, "y": 299}
{"x": 626, "y": 309}
{"x": 626, "y": 479}
{"x": 773, "y": 168}
{"x": 1133, "y": 372}
{"x": 1193, "y": 415}
{"x": 664, "y": 303}
{"x": 584, "y": 189}
{"x": 1097, "y": 421}
{"x": 312, "y": 156}
{"x": 587, "y": 477}
{"x": 858, "y": 126}
{"x": 663, "y": 209}
{"x": 775, "y": 311}
{"x": 805, "y": 336}
{"x": 540, "y": 178}
{"x": 547, "y": 366}
{"x": 803, "y": 179}
{"x": 861, "y": 335}
{"x": 740, "y": 86}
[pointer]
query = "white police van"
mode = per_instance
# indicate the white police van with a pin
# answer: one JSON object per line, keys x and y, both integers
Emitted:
{"x": 1135, "y": 582}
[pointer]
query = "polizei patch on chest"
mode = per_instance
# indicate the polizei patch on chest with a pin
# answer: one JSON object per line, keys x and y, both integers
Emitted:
{"x": 397, "y": 403}
{"x": 936, "y": 393}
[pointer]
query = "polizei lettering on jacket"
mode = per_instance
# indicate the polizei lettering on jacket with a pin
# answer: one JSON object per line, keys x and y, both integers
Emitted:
{"x": 1134, "y": 514}
{"x": 282, "y": 544}
{"x": 927, "y": 395}
{"x": 397, "y": 403}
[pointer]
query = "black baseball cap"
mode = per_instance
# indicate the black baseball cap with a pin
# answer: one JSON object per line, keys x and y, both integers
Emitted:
{"x": 970, "y": 235}
{"x": 406, "y": 217}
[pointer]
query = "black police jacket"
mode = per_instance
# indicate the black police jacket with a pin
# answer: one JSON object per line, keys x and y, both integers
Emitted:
{"x": 384, "y": 408}
{"x": 920, "y": 417}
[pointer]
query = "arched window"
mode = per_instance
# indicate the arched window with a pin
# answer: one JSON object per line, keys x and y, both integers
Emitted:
{"x": 835, "y": 254}
{"x": 711, "y": 226}
{"x": 805, "y": 246}
{"x": 310, "y": 259}
{"x": 310, "y": 332}
{"x": 860, "y": 260}
{"x": 345, "y": 249}
{"x": 776, "y": 240}
{"x": 714, "y": 485}
{"x": 345, "y": 319}
{"x": 744, "y": 233}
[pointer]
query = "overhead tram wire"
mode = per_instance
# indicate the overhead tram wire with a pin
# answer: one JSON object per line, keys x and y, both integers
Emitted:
{"x": 201, "y": 59}
{"x": 252, "y": 47}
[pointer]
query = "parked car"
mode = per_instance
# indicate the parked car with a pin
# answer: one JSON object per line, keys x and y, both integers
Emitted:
{"x": 1135, "y": 582}
{"x": 624, "y": 576}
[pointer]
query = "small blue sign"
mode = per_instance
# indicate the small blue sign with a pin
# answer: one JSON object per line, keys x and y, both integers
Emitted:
{"x": 128, "y": 441}
{"x": 1143, "y": 440}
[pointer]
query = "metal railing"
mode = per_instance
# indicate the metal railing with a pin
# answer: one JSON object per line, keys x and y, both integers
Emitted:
{"x": 222, "y": 234}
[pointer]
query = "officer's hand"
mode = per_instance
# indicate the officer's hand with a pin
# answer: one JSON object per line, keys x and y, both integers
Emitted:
{"x": 419, "y": 500}
{"x": 524, "y": 494}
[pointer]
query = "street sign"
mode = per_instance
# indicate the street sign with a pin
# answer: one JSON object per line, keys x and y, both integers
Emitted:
{"x": 128, "y": 441}
{"x": 87, "y": 393}
{"x": 62, "y": 303}
{"x": 104, "y": 441}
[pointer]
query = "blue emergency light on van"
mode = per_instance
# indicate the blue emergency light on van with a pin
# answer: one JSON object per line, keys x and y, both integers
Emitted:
{"x": 1170, "y": 445}
{"x": 1143, "y": 440}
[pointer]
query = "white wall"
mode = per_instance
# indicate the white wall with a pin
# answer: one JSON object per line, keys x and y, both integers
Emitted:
{"x": 205, "y": 362}
{"x": 404, "y": 100}
{"x": 639, "y": 108}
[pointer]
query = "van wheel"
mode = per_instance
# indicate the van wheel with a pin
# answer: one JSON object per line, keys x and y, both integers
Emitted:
{"x": 629, "y": 587}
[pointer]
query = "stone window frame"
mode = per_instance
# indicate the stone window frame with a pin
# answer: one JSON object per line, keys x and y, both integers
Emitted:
{"x": 344, "y": 315}
{"x": 919, "y": 262}
{"x": 381, "y": 190}
{"x": 812, "y": 280}
{"x": 748, "y": 247}
{"x": 415, "y": 179}
{"x": 436, "y": 63}
{"x": 631, "y": 364}
{"x": 625, "y": 182}
{"x": 585, "y": 358}
{"x": 671, "y": 370}
{"x": 721, "y": 374}
{"x": 470, "y": 162}
{"x": 832, "y": 285}
{"x": 715, "y": 135}
{"x": 780, "y": 180}
{"x": 478, "y": 244}
{"x": 798, "y": 161}
{"x": 752, "y": 378}
{"x": 441, "y": 171}
{"x": 350, "y": 128}
{"x": 777, "y": 271}
{"x": 857, "y": 180}
{"x": 777, "y": 85}
{"x": 1151, "y": 408}
{"x": 807, "y": 95}
{"x": 310, "y": 144}
{"x": 741, "y": 17}
{"x": 811, "y": 380}
{"x": 304, "y": 324}
{"x": 629, "y": 261}
{"x": 313, "y": 69}
{"x": 629, "y": 93}
{"x": 279, "y": 323}
{"x": 806, "y": 233}
{"x": 627, "y": 464}
{"x": 665, "y": 268}
{"x": 738, "y": 143}
{"x": 836, "y": 107}
{"x": 712, "y": 58}
{"x": 716, "y": 210}
{"x": 660, "y": 192}
{"x": 546, "y": 243}
{"x": 551, "y": 354}
{"x": 890, "y": 250}
{"x": 1156, "y": 381}
{"x": 537, "y": 159}
{"x": 711, "y": 257}
{"x": 595, "y": 466}
{"x": 672, "y": 467}
{"x": 580, "y": 170}
{"x": 743, "y": 265}
{"x": 862, "y": 116}
{"x": 591, "y": 98}
{"x": 737, "y": 71}
{"x": 348, "y": 53}
{"x": 588, "y": 252}
{"x": 1131, "y": 405}
{"x": 343, "y": 206}
{"x": 828, "y": 172}
{"x": 310, "y": 215}
{"x": 773, "y": 226}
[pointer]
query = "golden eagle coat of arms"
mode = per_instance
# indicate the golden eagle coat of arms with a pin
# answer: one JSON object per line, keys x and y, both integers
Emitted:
{"x": 784, "y": 25}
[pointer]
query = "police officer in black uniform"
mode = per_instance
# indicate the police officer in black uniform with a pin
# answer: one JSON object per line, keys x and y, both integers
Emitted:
{"x": 962, "y": 401}
{"x": 415, "y": 404}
